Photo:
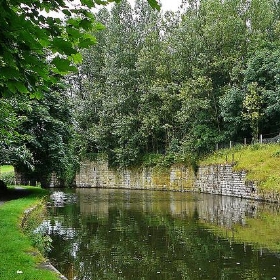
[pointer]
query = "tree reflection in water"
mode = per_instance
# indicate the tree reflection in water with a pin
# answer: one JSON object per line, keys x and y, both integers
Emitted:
{"x": 122, "y": 234}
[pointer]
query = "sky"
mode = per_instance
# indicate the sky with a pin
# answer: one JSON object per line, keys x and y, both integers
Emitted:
{"x": 167, "y": 5}
{"x": 172, "y": 5}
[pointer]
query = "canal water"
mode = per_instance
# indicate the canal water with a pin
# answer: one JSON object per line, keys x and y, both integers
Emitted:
{"x": 129, "y": 234}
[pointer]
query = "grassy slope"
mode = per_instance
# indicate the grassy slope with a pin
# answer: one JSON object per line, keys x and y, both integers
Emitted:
{"x": 262, "y": 162}
{"x": 16, "y": 251}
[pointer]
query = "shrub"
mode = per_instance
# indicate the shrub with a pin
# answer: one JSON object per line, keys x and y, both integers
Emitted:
{"x": 8, "y": 178}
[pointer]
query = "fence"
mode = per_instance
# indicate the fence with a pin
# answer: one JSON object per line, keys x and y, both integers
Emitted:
{"x": 275, "y": 139}
{"x": 263, "y": 139}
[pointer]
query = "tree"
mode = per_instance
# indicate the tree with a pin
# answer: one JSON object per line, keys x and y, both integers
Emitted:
{"x": 181, "y": 82}
{"x": 49, "y": 138}
{"x": 208, "y": 44}
{"x": 235, "y": 127}
{"x": 113, "y": 83}
{"x": 12, "y": 145}
{"x": 252, "y": 105}
{"x": 261, "y": 78}
{"x": 34, "y": 46}
{"x": 37, "y": 49}
{"x": 91, "y": 91}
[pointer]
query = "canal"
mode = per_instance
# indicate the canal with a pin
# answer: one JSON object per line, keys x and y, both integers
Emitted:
{"x": 130, "y": 234}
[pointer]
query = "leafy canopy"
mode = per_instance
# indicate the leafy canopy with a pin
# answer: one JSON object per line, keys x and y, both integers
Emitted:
{"x": 36, "y": 47}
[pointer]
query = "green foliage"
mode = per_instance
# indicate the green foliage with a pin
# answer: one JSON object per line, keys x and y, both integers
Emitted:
{"x": 7, "y": 174}
{"x": 255, "y": 147}
{"x": 154, "y": 4}
{"x": 6, "y": 168}
{"x": 154, "y": 83}
{"x": 49, "y": 139}
{"x": 179, "y": 72}
{"x": 231, "y": 103}
{"x": 252, "y": 104}
{"x": 151, "y": 160}
{"x": 164, "y": 161}
{"x": 29, "y": 36}
{"x": 8, "y": 178}
{"x": 276, "y": 154}
{"x": 37, "y": 48}
{"x": 9, "y": 122}
{"x": 35, "y": 42}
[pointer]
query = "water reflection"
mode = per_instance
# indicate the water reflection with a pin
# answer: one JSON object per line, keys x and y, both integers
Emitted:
{"x": 122, "y": 234}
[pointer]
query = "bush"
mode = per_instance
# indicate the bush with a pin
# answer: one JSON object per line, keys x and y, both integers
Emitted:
{"x": 151, "y": 160}
{"x": 8, "y": 178}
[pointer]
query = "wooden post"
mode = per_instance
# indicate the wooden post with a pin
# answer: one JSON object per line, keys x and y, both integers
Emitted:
{"x": 217, "y": 146}
{"x": 261, "y": 138}
{"x": 245, "y": 141}
{"x": 230, "y": 144}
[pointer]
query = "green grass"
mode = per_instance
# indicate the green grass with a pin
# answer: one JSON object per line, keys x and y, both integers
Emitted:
{"x": 6, "y": 169}
{"x": 262, "y": 163}
{"x": 16, "y": 250}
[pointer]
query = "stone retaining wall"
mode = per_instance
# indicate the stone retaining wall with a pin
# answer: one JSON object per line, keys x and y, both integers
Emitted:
{"x": 221, "y": 179}
{"x": 213, "y": 179}
{"x": 98, "y": 174}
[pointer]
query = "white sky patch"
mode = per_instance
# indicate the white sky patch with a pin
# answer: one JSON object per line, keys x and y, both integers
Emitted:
{"x": 167, "y": 5}
{"x": 171, "y": 5}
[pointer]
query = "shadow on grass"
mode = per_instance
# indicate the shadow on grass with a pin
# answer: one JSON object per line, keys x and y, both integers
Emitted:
{"x": 20, "y": 192}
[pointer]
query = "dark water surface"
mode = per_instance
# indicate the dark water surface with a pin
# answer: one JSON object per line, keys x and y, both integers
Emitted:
{"x": 125, "y": 234}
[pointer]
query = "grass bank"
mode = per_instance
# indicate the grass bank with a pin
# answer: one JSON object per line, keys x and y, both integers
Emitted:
{"x": 18, "y": 258}
{"x": 260, "y": 161}
{"x": 261, "y": 231}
